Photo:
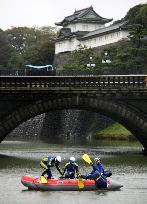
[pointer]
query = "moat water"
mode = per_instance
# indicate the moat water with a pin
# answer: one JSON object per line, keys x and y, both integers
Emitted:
{"x": 19, "y": 158}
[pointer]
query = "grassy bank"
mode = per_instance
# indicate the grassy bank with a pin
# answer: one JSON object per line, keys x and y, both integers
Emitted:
{"x": 115, "y": 132}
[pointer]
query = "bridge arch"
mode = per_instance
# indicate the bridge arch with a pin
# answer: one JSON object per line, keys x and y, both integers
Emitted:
{"x": 127, "y": 116}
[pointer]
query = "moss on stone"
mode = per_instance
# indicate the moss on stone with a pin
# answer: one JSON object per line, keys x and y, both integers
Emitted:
{"x": 115, "y": 132}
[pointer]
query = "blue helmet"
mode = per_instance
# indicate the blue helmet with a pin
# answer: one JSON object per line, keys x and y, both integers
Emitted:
{"x": 97, "y": 159}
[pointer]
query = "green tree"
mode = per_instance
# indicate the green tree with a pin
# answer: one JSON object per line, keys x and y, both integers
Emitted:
{"x": 6, "y": 50}
{"x": 22, "y": 37}
{"x": 137, "y": 15}
{"x": 127, "y": 58}
{"x": 41, "y": 53}
{"x": 32, "y": 45}
{"x": 136, "y": 34}
{"x": 79, "y": 59}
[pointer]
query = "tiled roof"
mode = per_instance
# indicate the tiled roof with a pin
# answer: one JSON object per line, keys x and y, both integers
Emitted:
{"x": 65, "y": 33}
{"x": 104, "y": 30}
{"x": 79, "y": 16}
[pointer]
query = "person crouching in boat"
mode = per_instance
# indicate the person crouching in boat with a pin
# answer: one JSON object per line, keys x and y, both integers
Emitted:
{"x": 48, "y": 162}
{"x": 100, "y": 180}
{"x": 97, "y": 174}
{"x": 98, "y": 166}
{"x": 71, "y": 168}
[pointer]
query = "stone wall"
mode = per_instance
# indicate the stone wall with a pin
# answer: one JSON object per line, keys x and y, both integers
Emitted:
{"x": 63, "y": 58}
{"x": 72, "y": 126}
{"x": 29, "y": 130}
{"x": 68, "y": 126}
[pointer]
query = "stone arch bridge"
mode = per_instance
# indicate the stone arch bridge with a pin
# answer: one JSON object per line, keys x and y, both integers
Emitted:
{"x": 122, "y": 98}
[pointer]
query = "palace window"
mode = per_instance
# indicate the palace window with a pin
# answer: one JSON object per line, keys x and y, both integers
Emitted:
{"x": 85, "y": 27}
{"x": 74, "y": 28}
{"x": 118, "y": 34}
{"x": 97, "y": 26}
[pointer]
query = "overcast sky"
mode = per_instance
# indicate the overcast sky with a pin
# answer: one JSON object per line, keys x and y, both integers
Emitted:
{"x": 47, "y": 12}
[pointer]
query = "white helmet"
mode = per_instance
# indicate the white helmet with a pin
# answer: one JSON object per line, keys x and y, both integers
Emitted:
{"x": 58, "y": 158}
{"x": 72, "y": 159}
{"x": 97, "y": 159}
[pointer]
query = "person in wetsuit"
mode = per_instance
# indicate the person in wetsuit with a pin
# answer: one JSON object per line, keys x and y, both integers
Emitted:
{"x": 98, "y": 174}
{"x": 98, "y": 166}
{"x": 48, "y": 162}
{"x": 71, "y": 168}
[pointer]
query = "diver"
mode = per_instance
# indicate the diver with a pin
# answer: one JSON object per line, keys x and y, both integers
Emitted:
{"x": 71, "y": 168}
{"x": 48, "y": 162}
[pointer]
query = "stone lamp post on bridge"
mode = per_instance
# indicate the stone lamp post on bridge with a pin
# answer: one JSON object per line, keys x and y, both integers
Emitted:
{"x": 90, "y": 64}
{"x": 106, "y": 60}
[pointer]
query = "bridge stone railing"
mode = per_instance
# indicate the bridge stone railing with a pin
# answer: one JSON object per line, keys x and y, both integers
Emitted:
{"x": 104, "y": 81}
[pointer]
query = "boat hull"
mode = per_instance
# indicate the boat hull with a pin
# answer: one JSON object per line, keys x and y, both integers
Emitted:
{"x": 33, "y": 183}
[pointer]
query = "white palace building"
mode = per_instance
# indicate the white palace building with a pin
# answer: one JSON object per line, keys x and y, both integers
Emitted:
{"x": 86, "y": 28}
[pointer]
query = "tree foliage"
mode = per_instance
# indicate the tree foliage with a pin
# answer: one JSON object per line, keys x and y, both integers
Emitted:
{"x": 41, "y": 53}
{"x": 137, "y": 15}
{"x": 6, "y": 50}
{"x": 128, "y": 58}
{"x": 79, "y": 59}
{"x": 31, "y": 45}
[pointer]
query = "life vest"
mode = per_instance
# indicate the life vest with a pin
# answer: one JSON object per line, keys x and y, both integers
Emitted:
{"x": 98, "y": 167}
{"x": 71, "y": 167}
{"x": 50, "y": 161}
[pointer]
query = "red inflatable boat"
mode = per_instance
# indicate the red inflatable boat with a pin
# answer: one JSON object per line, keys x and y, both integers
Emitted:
{"x": 33, "y": 183}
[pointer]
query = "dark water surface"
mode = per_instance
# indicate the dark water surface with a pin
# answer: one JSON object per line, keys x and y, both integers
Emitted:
{"x": 129, "y": 167}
